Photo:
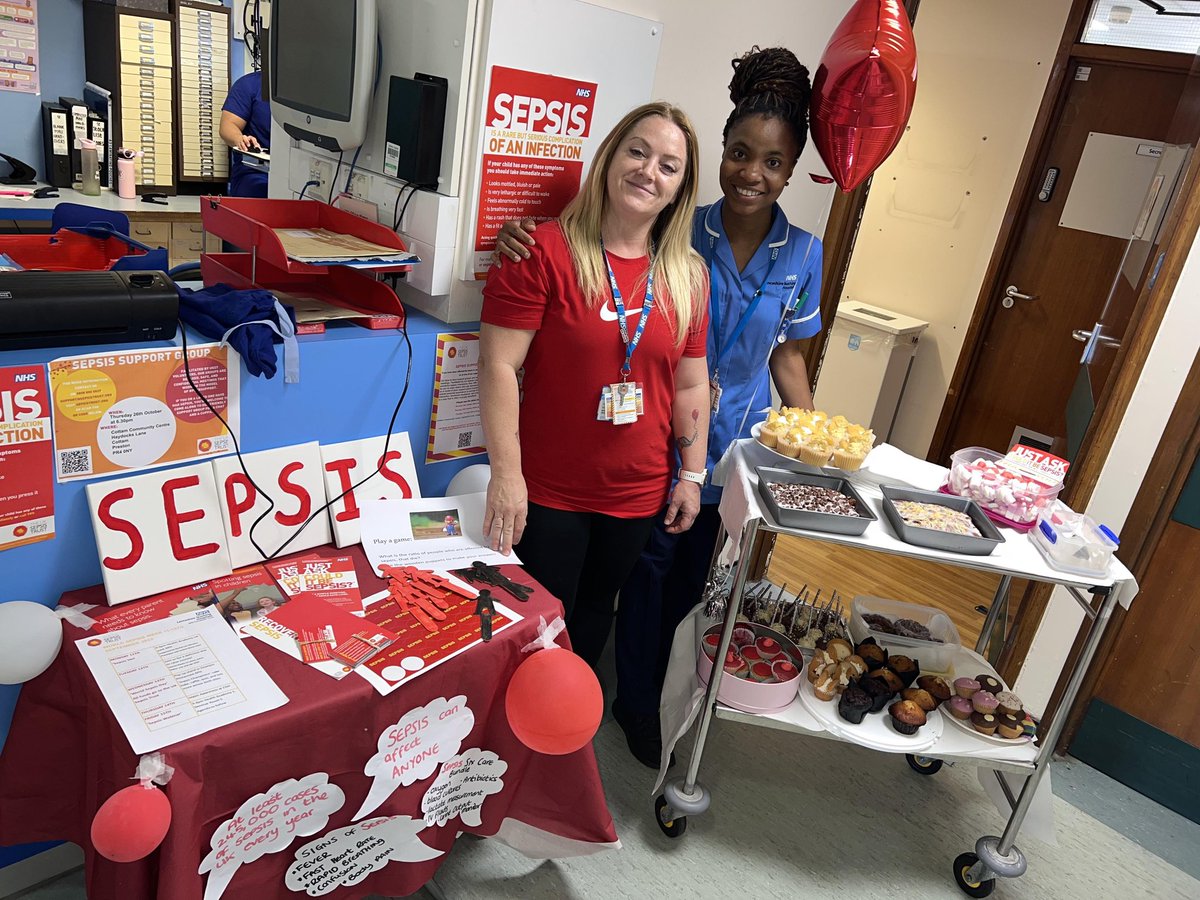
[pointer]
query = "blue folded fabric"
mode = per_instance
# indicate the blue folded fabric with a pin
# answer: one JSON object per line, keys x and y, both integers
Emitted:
{"x": 218, "y": 311}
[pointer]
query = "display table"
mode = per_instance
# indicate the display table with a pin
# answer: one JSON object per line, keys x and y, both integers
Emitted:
{"x": 66, "y": 755}
{"x": 684, "y": 699}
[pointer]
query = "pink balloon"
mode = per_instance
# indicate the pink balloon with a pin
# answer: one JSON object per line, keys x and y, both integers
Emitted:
{"x": 554, "y": 703}
{"x": 864, "y": 89}
{"x": 131, "y": 823}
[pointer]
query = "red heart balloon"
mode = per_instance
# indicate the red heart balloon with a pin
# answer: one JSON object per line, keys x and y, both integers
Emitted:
{"x": 131, "y": 823}
{"x": 554, "y": 703}
{"x": 863, "y": 91}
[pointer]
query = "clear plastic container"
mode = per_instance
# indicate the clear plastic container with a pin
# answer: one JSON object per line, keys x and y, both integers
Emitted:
{"x": 1073, "y": 542}
{"x": 1007, "y": 497}
{"x": 934, "y": 657}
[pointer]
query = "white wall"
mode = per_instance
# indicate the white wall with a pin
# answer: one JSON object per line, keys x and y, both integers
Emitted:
{"x": 1171, "y": 357}
{"x": 935, "y": 205}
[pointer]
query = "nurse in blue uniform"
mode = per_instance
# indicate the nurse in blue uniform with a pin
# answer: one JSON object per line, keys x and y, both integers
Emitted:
{"x": 246, "y": 125}
{"x": 765, "y": 279}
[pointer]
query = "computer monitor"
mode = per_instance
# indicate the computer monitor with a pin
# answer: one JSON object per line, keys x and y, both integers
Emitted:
{"x": 322, "y": 69}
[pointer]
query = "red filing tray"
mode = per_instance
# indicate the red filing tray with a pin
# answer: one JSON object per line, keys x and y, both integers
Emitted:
{"x": 66, "y": 251}
{"x": 339, "y": 285}
{"x": 249, "y": 222}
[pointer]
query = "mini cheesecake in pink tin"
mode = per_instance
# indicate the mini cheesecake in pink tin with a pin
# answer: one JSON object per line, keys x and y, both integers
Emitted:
{"x": 710, "y": 644}
{"x": 784, "y": 670}
{"x": 742, "y": 636}
{"x": 761, "y": 671}
{"x": 751, "y": 655}
{"x": 768, "y": 648}
{"x": 734, "y": 664}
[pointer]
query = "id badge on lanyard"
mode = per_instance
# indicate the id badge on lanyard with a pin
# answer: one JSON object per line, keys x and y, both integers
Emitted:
{"x": 622, "y": 402}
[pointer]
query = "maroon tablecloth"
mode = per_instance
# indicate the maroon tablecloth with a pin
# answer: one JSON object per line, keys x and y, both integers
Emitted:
{"x": 65, "y": 756}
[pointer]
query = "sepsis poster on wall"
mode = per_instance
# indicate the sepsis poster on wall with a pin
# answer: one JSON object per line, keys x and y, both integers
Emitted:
{"x": 26, "y": 457}
{"x": 131, "y": 410}
{"x": 534, "y": 130}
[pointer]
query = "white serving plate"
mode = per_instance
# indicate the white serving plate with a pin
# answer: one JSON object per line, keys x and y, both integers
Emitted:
{"x": 965, "y": 725}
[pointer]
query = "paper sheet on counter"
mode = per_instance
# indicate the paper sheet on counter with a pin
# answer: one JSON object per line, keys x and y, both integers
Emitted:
{"x": 437, "y": 533}
{"x": 173, "y": 679}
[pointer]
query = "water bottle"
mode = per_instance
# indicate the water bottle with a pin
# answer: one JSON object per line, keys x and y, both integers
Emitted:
{"x": 90, "y": 164}
{"x": 127, "y": 173}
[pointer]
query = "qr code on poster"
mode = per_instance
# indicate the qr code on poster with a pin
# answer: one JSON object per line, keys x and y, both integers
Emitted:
{"x": 75, "y": 462}
{"x": 464, "y": 439}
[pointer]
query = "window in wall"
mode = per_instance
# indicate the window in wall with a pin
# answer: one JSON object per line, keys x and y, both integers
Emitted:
{"x": 1170, "y": 25}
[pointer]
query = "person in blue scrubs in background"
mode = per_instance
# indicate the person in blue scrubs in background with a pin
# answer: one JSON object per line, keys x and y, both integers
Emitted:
{"x": 765, "y": 283}
{"x": 246, "y": 125}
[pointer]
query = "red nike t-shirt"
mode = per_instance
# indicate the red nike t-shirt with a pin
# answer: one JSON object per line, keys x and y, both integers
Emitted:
{"x": 571, "y": 460}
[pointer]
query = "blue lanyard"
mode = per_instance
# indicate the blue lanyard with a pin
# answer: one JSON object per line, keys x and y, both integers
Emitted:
{"x": 647, "y": 306}
{"x": 714, "y": 307}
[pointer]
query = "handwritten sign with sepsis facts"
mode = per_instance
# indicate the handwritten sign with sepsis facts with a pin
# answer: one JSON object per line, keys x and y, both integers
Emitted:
{"x": 346, "y": 856}
{"x": 267, "y": 823}
{"x": 412, "y": 748}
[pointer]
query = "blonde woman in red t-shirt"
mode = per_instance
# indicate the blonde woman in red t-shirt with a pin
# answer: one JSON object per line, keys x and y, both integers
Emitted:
{"x": 592, "y": 372}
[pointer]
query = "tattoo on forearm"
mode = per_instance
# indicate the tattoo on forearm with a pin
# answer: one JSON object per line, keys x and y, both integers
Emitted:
{"x": 685, "y": 442}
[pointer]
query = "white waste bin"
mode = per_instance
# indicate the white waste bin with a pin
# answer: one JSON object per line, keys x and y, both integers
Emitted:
{"x": 867, "y": 360}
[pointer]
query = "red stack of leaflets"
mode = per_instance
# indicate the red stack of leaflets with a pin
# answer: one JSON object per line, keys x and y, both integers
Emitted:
{"x": 332, "y": 579}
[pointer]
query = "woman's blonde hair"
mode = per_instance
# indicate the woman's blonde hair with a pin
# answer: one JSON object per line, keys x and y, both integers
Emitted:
{"x": 678, "y": 269}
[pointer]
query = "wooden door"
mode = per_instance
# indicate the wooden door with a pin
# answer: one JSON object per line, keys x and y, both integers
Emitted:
{"x": 1142, "y": 726}
{"x": 1027, "y": 360}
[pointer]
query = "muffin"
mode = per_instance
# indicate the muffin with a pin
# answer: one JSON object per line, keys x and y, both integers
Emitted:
{"x": 819, "y": 661}
{"x": 1029, "y": 725}
{"x": 784, "y": 670}
{"x": 921, "y": 697}
{"x": 890, "y": 678}
{"x": 965, "y": 687}
{"x": 772, "y": 429}
{"x": 908, "y": 669}
{"x": 815, "y": 449}
{"x": 937, "y": 686}
{"x": 857, "y": 665}
{"x": 984, "y": 723}
{"x": 761, "y": 671}
{"x": 840, "y": 648}
{"x": 789, "y": 443}
{"x": 855, "y": 704}
{"x": 989, "y": 683}
{"x": 1009, "y": 703}
{"x": 1009, "y": 726}
{"x": 907, "y": 716}
{"x": 849, "y": 453}
{"x": 984, "y": 702}
{"x": 880, "y": 694}
{"x": 872, "y": 654}
{"x": 960, "y": 708}
{"x": 825, "y": 687}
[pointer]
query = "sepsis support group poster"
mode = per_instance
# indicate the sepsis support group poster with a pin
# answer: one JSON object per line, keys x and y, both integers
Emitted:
{"x": 26, "y": 457}
{"x": 136, "y": 409}
{"x": 535, "y": 126}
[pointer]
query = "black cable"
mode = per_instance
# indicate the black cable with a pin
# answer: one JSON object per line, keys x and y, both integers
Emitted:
{"x": 353, "y": 163}
{"x": 307, "y": 185}
{"x": 187, "y": 371}
{"x": 400, "y": 210}
{"x": 336, "y": 173}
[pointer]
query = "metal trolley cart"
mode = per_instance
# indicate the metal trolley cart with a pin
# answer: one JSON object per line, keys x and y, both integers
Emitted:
{"x": 975, "y": 872}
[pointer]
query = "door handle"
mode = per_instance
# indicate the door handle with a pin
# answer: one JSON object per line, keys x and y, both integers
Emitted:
{"x": 1012, "y": 294}
{"x": 1084, "y": 336}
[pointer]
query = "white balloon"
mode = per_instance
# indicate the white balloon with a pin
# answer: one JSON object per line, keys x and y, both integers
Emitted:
{"x": 30, "y": 637}
{"x": 470, "y": 480}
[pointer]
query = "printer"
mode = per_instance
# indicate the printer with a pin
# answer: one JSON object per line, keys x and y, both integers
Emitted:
{"x": 56, "y": 309}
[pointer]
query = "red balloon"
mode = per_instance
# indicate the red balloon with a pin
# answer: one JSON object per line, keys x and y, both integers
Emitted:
{"x": 863, "y": 91}
{"x": 554, "y": 703}
{"x": 131, "y": 823}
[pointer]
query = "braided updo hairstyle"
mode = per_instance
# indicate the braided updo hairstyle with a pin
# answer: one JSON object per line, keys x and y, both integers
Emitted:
{"x": 771, "y": 83}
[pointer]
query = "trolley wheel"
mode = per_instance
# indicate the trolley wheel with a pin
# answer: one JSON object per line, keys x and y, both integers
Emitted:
{"x": 923, "y": 765}
{"x": 962, "y": 869}
{"x": 671, "y": 827}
